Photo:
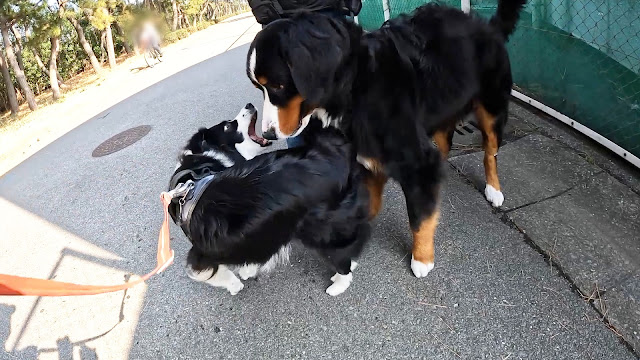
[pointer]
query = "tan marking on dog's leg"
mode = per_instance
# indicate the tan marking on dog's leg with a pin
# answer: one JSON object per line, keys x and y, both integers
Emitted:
{"x": 441, "y": 139}
{"x": 486, "y": 122}
{"x": 375, "y": 183}
{"x": 423, "y": 250}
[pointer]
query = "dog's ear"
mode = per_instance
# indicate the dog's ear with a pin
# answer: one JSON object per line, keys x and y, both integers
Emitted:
{"x": 316, "y": 47}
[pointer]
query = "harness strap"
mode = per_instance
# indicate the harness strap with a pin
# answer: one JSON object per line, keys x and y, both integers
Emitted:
{"x": 17, "y": 285}
{"x": 196, "y": 173}
{"x": 189, "y": 201}
{"x": 336, "y": 6}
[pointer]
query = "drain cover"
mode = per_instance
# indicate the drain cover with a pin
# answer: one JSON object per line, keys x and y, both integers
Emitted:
{"x": 121, "y": 140}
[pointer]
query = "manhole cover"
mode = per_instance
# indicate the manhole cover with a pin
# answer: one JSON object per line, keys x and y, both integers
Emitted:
{"x": 121, "y": 140}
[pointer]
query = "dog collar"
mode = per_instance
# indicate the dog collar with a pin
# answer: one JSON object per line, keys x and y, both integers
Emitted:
{"x": 295, "y": 142}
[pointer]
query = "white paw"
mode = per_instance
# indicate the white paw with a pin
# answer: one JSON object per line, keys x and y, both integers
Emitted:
{"x": 235, "y": 287}
{"x": 335, "y": 277}
{"x": 420, "y": 269}
{"x": 340, "y": 284}
{"x": 494, "y": 196}
{"x": 248, "y": 271}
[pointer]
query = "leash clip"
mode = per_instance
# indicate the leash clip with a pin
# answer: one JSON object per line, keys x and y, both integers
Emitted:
{"x": 182, "y": 190}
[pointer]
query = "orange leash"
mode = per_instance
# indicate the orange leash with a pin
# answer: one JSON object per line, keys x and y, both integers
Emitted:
{"x": 17, "y": 285}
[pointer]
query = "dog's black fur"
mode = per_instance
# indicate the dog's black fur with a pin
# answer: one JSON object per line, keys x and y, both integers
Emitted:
{"x": 395, "y": 87}
{"x": 250, "y": 211}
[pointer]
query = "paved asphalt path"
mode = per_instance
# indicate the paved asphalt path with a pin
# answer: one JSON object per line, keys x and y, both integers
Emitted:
{"x": 67, "y": 215}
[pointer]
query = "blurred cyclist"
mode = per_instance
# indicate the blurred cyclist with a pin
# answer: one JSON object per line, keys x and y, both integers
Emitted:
{"x": 149, "y": 37}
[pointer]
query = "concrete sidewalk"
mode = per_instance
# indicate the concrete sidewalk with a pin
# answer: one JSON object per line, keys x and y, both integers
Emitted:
{"x": 492, "y": 295}
{"x": 576, "y": 204}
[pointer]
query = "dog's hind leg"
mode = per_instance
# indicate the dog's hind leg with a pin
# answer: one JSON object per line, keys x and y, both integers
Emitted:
{"x": 444, "y": 140}
{"x": 491, "y": 127}
{"x": 342, "y": 260}
{"x": 421, "y": 185}
{"x": 375, "y": 182}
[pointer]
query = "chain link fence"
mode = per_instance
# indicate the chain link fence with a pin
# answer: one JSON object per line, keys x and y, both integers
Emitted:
{"x": 579, "y": 57}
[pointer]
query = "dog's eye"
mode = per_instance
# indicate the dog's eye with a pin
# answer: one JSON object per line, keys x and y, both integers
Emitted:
{"x": 276, "y": 87}
{"x": 227, "y": 127}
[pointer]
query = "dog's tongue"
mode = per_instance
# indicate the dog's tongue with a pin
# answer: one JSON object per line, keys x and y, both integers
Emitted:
{"x": 252, "y": 134}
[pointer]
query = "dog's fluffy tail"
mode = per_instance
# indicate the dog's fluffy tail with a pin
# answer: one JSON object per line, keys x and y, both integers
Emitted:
{"x": 507, "y": 16}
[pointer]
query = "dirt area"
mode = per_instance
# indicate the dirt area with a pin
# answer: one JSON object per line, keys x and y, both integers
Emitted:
{"x": 89, "y": 94}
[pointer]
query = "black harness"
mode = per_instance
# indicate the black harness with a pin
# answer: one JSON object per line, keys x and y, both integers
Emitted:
{"x": 189, "y": 192}
{"x": 267, "y": 11}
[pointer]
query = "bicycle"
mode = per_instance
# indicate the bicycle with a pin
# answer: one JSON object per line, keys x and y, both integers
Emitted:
{"x": 151, "y": 55}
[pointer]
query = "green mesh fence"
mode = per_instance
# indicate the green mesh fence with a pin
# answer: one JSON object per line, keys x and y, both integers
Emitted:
{"x": 580, "y": 57}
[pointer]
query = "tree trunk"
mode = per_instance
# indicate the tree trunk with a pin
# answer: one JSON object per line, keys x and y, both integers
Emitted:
{"x": 211, "y": 14}
{"x": 53, "y": 67}
{"x": 184, "y": 23}
{"x": 203, "y": 12}
{"x": 120, "y": 32}
{"x": 43, "y": 68}
{"x": 85, "y": 45}
{"x": 22, "y": 80}
{"x": 40, "y": 62}
{"x": 110, "y": 50}
{"x": 174, "y": 24}
{"x": 103, "y": 41}
{"x": 18, "y": 46}
{"x": 11, "y": 91}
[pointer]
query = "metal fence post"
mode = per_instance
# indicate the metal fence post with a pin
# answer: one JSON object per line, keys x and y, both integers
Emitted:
{"x": 385, "y": 9}
{"x": 465, "y": 5}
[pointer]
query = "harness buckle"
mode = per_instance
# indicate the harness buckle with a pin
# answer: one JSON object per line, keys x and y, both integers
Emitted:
{"x": 182, "y": 190}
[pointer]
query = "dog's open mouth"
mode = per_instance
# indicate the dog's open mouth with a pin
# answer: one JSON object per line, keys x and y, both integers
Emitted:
{"x": 252, "y": 132}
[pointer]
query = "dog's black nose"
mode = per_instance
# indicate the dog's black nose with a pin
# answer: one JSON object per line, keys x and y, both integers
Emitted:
{"x": 250, "y": 106}
{"x": 270, "y": 134}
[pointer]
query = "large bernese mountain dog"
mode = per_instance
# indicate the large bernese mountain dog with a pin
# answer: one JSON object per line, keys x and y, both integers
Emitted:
{"x": 241, "y": 215}
{"x": 392, "y": 92}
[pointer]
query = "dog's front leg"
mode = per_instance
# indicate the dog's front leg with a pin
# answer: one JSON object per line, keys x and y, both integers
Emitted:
{"x": 223, "y": 278}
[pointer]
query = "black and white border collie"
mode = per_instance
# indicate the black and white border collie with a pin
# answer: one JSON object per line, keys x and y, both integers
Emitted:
{"x": 251, "y": 210}
{"x": 392, "y": 91}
